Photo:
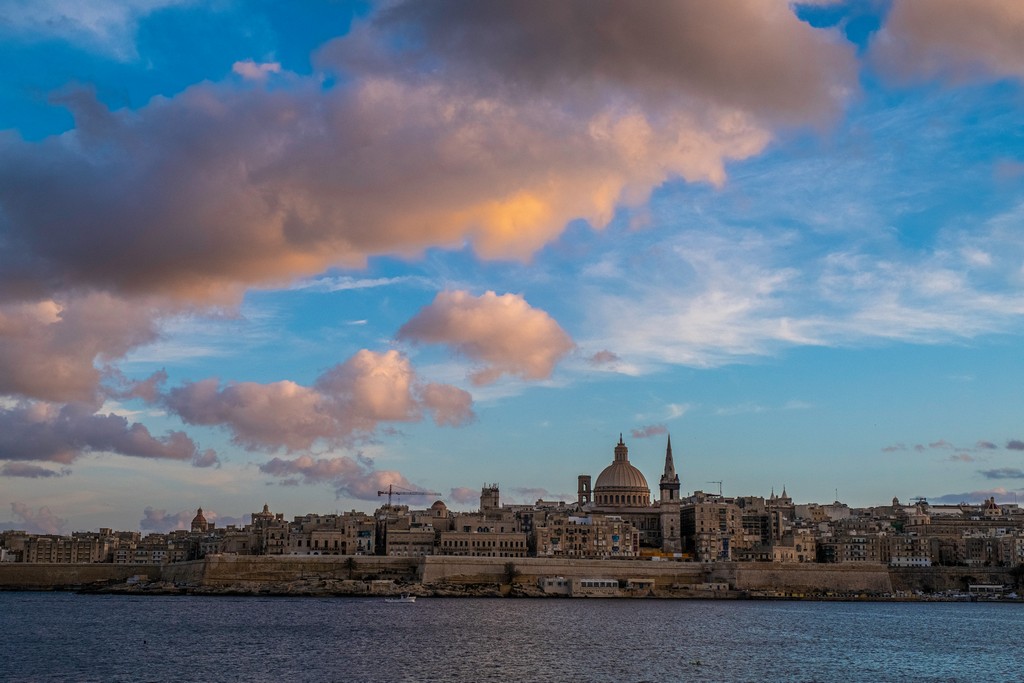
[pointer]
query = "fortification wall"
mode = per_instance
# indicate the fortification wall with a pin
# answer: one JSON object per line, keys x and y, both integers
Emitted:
{"x": 471, "y": 570}
{"x": 941, "y": 579}
{"x": 21, "y": 576}
{"x": 804, "y": 578}
{"x": 248, "y": 571}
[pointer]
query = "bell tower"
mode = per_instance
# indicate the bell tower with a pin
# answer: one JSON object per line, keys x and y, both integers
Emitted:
{"x": 669, "y": 505}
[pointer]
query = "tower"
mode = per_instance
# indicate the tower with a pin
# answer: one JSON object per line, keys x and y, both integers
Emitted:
{"x": 583, "y": 494}
{"x": 671, "y": 540}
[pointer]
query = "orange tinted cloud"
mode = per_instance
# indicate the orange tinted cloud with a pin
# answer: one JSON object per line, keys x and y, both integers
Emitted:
{"x": 347, "y": 401}
{"x": 503, "y": 333}
{"x": 350, "y": 477}
{"x": 511, "y": 133}
{"x": 49, "y": 347}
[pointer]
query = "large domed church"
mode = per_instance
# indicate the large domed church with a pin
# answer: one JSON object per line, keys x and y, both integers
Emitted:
{"x": 622, "y": 490}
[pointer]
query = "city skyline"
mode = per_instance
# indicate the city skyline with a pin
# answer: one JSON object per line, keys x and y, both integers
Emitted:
{"x": 291, "y": 255}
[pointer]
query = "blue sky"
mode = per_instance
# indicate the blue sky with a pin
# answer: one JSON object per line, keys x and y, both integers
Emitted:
{"x": 290, "y": 254}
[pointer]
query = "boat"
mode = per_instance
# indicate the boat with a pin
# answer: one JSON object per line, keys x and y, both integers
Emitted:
{"x": 404, "y": 597}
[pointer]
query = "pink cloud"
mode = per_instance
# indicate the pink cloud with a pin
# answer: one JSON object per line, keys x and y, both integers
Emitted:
{"x": 160, "y": 521}
{"x": 648, "y": 431}
{"x": 504, "y": 333}
{"x": 450, "y": 405}
{"x": 49, "y": 347}
{"x": 48, "y": 432}
{"x": 279, "y": 414}
{"x": 603, "y": 357}
{"x": 373, "y": 387}
{"x": 512, "y": 133}
{"x": 464, "y": 495}
{"x": 255, "y": 71}
{"x": 42, "y": 521}
{"x": 347, "y": 401}
{"x": 350, "y": 477}
{"x": 952, "y": 40}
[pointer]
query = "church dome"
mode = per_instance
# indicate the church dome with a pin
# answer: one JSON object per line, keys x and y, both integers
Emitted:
{"x": 620, "y": 475}
{"x": 199, "y": 521}
{"x": 620, "y": 484}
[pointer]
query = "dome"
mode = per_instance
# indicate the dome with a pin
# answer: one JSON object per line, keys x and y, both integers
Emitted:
{"x": 620, "y": 484}
{"x": 199, "y": 521}
{"x": 621, "y": 475}
{"x": 438, "y": 505}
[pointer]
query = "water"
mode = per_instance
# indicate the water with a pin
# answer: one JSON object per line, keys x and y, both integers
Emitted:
{"x": 69, "y": 637}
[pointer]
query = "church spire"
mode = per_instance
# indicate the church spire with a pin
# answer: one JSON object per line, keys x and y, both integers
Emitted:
{"x": 669, "y": 480}
{"x": 670, "y": 467}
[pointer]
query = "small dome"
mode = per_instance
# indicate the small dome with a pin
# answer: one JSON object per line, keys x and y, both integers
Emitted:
{"x": 438, "y": 505}
{"x": 199, "y": 522}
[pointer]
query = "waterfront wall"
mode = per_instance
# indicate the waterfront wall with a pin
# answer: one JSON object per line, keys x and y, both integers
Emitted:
{"x": 439, "y": 569}
{"x": 943, "y": 579}
{"x": 804, "y": 578}
{"x": 244, "y": 571}
{"x": 22, "y": 576}
{"x": 272, "y": 572}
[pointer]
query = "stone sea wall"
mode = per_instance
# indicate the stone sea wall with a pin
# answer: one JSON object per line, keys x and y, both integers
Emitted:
{"x": 21, "y": 576}
{"x": 804, "y": 578}
{"x": 439, "y": 575}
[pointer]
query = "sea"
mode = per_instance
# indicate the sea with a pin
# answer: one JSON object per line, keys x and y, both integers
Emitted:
{"x": 107, "y": 638}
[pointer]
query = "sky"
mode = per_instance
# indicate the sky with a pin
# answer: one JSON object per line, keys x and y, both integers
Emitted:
{"x": 293, "y": 253}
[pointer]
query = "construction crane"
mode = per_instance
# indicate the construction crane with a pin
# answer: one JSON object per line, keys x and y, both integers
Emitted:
{"x": 719, "y": 487}
{"x": 392, "y": 491}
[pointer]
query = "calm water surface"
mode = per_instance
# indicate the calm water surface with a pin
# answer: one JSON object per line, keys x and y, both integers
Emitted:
{"x": 68, "y": 637}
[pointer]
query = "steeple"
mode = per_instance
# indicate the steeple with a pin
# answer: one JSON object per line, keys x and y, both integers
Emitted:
{"x": 669, "y": 480}
{"x": 670, "y": 521}
{"x": 670, "y": 467}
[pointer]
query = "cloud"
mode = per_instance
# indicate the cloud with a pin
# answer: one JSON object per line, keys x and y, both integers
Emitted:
{"x": 741, "y": 409}
{"x": 657, "y": 54}
{"x": 254, "y": 71}
{"x": 895, "y": 448}
{"x": 464, "y": 495}
{"x": 23, "y": 469}
{"x": 451, "y": 406}
{"x": 42, "y": 521}
{"x": 648, "y": 431}
{"x": 706, "y": 295}
{"x": 503, "y": 333}
{"x": 530, "y": 495}
{"x": 346, "y": 401}
{"x": 951, "y": 40}
{"x": 160, "y": 521}
{"x": 962, "y": 457}
{"x": 941, "y": 444}
{"x": 1000, "y": 494}
{"x": 983, "y": 445}
{"x": 48, "y": 432}
{"x": 103, "y": 26}
{"x": 1003, "y": 473}
{"x": 236, "y": 184}
{"x": 603, "y": 357}
{"x": 49, "y": 347}
{"x": 351, "y": 477}
{"x": 1015, "y": 445}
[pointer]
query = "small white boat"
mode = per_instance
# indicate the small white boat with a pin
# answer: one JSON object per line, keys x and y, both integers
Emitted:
{"x": 404, "y": 597}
